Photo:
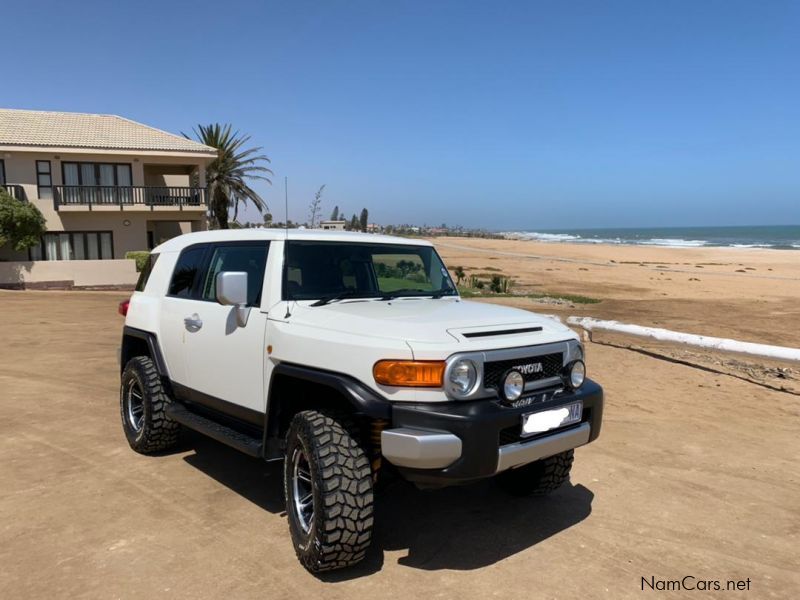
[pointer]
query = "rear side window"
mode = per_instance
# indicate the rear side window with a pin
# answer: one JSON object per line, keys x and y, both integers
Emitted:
{"x": 145, "y": 274}
{"x": 186, "y": 272}
{"x": 249, "y": 258}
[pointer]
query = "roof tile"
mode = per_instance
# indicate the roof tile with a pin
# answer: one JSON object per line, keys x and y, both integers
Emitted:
{"x": 80, "y": 130}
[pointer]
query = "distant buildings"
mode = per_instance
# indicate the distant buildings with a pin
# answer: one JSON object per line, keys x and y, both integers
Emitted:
{"x": 333, "y": 225}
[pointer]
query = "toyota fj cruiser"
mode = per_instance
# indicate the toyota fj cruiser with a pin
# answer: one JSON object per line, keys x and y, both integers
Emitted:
{"x": 344, "y": 354}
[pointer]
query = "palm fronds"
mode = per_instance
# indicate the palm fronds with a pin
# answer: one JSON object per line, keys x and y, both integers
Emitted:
{"x": 228, "y": 174}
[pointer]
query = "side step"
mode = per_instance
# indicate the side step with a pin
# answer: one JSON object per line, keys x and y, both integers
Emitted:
{"x": 235, "y": 439}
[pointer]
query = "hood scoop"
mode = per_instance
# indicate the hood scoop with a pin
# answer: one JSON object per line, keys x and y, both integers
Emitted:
{"x": 498, "y": 332}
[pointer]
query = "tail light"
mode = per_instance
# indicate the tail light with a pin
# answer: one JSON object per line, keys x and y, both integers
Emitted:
{"x": 123, "y": 307}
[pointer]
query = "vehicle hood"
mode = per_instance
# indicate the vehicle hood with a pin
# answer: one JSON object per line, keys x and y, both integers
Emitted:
{"x": 424, "y": 321}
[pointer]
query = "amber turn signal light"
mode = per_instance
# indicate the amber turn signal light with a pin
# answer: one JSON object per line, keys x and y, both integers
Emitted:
{"x": 409, "y": 373}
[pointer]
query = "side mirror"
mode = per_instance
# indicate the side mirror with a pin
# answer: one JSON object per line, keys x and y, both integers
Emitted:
{"x": 232, "y": 291}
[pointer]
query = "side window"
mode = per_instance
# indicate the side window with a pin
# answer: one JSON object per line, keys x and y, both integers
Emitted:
{"x": 186, "y": 272}
{"x": 145, "y": 274}
{"x": 250, "y": 258}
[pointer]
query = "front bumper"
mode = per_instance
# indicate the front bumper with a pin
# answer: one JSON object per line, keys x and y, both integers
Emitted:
{"x": 454, "y": 442}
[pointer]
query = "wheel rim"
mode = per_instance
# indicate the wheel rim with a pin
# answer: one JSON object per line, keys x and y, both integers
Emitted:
{"x": 135, "y": 401}
{"x": 302, "y": 490}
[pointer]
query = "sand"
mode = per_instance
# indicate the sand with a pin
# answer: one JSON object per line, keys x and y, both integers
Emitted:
{"x": 743, "y": 293}
{"x": 694, "y": 474}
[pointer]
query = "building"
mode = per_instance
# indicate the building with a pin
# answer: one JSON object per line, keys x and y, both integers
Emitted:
{"x": 106, "y": 186}
{"x": 333, "y": 225}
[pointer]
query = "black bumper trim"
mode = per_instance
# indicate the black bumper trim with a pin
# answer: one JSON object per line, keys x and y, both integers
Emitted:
{"x": 478, "y": 424}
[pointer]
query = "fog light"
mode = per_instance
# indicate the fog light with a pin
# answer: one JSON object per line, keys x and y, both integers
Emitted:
{"x": 577, "y": 374}
{"x": 513, "y": 385}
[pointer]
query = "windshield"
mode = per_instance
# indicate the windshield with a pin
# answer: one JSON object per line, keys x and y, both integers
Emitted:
{"x": 318, "y": 270}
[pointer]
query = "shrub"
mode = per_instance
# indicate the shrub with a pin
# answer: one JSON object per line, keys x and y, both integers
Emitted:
{"x": 500, "y": 285}
{"x": 140, "y": 256}
{"x": 22, "y": 225}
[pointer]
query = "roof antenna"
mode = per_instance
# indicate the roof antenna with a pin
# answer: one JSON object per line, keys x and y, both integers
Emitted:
{"x": 286, "y": 244}
{"x": 286, "y": 201}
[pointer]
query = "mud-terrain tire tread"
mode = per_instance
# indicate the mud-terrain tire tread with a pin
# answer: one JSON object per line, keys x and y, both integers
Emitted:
{"x": 343, "y": 509}
{"x": 539, "y": 478}
{"x": 159, "y": 433}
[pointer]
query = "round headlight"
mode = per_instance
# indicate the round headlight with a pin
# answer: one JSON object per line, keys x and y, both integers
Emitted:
{"x": 577, "y": 352}
{"x": 462, "y": 377}
{"x": 577, "y": 374}
{"x": 513, "y": 385}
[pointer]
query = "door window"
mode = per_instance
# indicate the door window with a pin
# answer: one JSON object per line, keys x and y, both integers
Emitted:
{"x": 186, "y": 272}
{"x": 105, "y": 183}
{"x": 248, "y": 258}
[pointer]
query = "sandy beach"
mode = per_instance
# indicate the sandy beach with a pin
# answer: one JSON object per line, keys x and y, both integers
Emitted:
{"x": 695, "y": 472}
{"x": 748, "y": 294}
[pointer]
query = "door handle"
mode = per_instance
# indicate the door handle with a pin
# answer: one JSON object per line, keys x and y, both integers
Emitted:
{"x": 194, "y": 322}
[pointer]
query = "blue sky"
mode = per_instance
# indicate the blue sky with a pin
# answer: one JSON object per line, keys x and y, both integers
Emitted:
{"x": 507, "y": 115}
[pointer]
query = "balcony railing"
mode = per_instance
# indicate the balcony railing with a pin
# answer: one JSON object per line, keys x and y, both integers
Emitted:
{"x": 128, "y": 196}
{"x": 16, "y": 191}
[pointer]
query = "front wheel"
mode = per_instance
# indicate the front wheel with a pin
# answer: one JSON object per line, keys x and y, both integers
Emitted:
{"x": 538, "y": 478}
{"x": 328, "y": 490}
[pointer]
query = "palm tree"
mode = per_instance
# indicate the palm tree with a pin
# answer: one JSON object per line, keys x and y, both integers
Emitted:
{"x": 227, "y": 174}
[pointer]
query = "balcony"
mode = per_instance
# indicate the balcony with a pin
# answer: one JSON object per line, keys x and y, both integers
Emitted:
{"x": 14, "y": 190}
{"x": 128, "y": 197}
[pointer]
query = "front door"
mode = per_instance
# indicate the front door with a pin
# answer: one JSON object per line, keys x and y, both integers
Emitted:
{"x": 225, "y": 362}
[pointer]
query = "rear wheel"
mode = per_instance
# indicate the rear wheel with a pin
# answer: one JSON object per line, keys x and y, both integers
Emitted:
{"x": 328, "y": 491}
{"x": 538, "y": 478}
{"x": 143, "y": 404}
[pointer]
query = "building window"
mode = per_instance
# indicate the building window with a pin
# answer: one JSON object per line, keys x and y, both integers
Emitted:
{"x": 75, "y": 245}
{"x": 86, "y": 182}
{"x": 102, "y": 174}
{"x": 44, "y": 179}
{"x": 2, "y": 172}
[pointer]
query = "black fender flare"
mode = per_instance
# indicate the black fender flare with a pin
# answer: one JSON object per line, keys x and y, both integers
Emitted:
{"x": 148, "y": 338}
{"x": 364, "y": 401}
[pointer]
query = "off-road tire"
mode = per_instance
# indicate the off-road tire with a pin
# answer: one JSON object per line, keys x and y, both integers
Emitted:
{"x": 340, "y": 528}
{"x": 539, "y": 478}
{"x": 157, "y": 432}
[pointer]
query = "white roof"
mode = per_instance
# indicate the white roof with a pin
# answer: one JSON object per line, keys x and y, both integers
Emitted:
{"x": 232, "y": 235}
{"x": 79, "y": 130}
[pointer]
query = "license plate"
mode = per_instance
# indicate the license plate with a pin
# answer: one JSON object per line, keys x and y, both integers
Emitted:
{"x": 554, "y": 418}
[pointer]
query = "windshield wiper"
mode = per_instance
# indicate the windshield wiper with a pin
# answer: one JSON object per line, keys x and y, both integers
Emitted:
{"x": 434, "y": 294}
{"x": 340, "y": 296}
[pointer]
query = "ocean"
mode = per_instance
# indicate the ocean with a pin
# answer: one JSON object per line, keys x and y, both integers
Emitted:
{"x": 784, "y": 237}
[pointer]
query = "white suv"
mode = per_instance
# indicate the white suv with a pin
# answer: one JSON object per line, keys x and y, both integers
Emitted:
{"x": 345, "y": 355}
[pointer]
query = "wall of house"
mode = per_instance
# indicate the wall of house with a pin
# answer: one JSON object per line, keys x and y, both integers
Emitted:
{"x": 166, "y": 175}
{"x": 68, "y": 274}
{"x": 20, "y": 169}
{"x": 129, "y": 229}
